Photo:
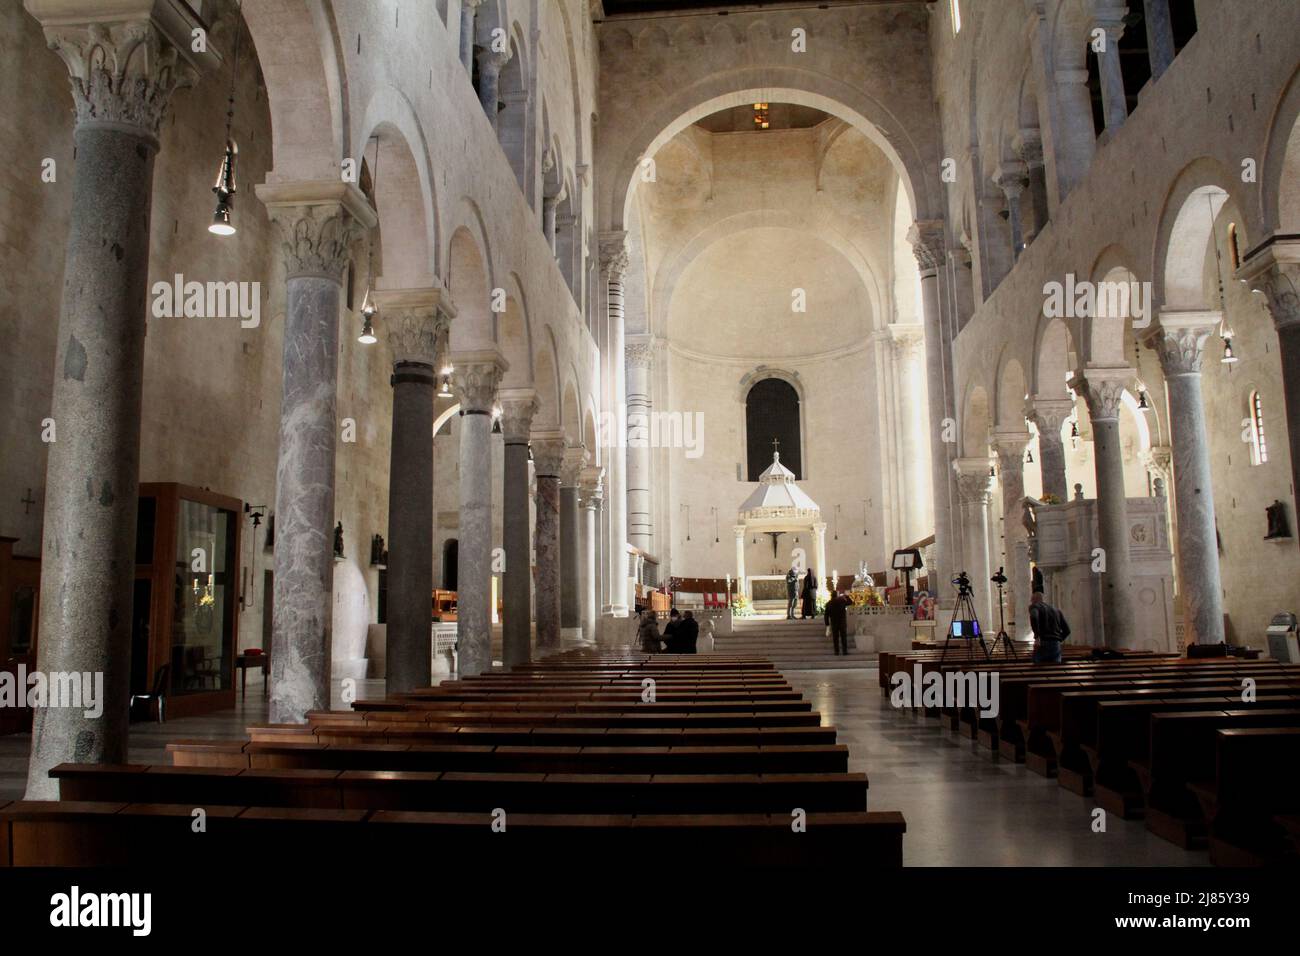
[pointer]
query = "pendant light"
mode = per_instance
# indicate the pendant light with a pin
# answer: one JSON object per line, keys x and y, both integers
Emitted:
{"x": 222, "y": 224}
{"x": 368, "y": 309}
{"x": 1225, "y": 333}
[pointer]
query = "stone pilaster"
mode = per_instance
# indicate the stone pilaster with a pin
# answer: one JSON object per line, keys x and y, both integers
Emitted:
{"x": 468, "y": 11}
{"x": 913, "y": 450}
{"x": 1160, "y": 36}
{"x": 739, "y": 531}
{"x": 575, "y": 459}
{"x": 973, "y": 484}
{"x": 613, "y": 267}
{"x": 477, "y": 375}
{"x": 548, "y": 460}
{"x": 1012, "y": 178}
{"x": 1103, "y": 390}
{"x": 640, "y": 411}
{"x": 1077, "y": 140}
{"x": 1274, "y": 271}
{"x": 927, "y": 242}
{"x": 123, "y": 71}
{"x": 1010, "y": 445}
{"x": 1029, "y": 147}
{"x": 416, "y": 320}
{"x": 589, "y": 500}
{"x": 1114, "y": 105}
{"x": 1179, "y": 339}
{"x": 1049, "y": 414}
{"x": 318, "y": 223}
{"x": 518, "y": 406}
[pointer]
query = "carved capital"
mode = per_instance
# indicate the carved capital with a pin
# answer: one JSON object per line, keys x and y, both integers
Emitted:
{"x": 1274, "y": 272}
{"x": 477, "y": 375}
{"x": 908, "y": 341}
{"x": 548, "y": 452}
{"x": 318, "y": 224}
{"x": 613, "y": 255}
{"x": 575, "y": 459}
{"x": 1102, "y": 389}
{"x": 416, "y": 321}
{"x": 1029, "y": 147}
{"x": 926, "y": 237}
{"x": 639, "y": 353}
{"x": 973, "y": 480}
{"x": 1012, "y": 177}
{"x": 1049, "y": 414}
{"x": 590, "y": 483}
{"x": 1179, "y": 340}
{"x": 518, "y": 406}
{"x": 492, "y": 61}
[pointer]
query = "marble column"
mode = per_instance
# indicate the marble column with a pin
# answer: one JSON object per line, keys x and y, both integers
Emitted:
{"x": 548, "y": 459}
{"x": 416, "y": 320}
{"x": 589, "y": 500}
{"x": 927, "y": 244}
{"x": 1049, "y": 415}
{"x": 318, "y": 224}
{"x": 1029, "y": 147}
{"x": 1113, "y": 104}
{"x": 575, "y": 458}
{"x": 1179, "y": 338}
{"x": 1076, "y": 139}
{"x": 1012, "y": 178}
{"x": 518, "y": 406}
{"x": 477, "y": 375}
{"x": 1160, "y": 36}
{"x": 819, "y": 550}
{"x": 1103, "y": 390}
{"x": 123, "y": 75}
{"x": 640, "y": 409}
{"x": 973, "y": 483}
{"x": 467, "y": 14}
{"x": 1274, "y": 271}
{"x": 739, "y": 532}
{"x": 613, "y": 267}
{"x": 909, "y": 342}
{"x": 490, "y": 64}
{"x": 1010, "y": 445}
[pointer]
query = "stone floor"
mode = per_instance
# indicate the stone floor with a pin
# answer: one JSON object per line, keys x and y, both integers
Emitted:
{"x": 962, "y": 807}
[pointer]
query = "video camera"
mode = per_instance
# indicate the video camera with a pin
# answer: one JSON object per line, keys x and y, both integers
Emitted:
{"x": 999, "y": 578}
{"x": 962, "y": 583}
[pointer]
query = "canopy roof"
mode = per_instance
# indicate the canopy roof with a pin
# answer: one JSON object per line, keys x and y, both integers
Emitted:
{"x": 779, "y": 497}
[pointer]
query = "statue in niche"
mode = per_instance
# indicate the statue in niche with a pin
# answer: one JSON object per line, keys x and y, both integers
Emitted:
{"x": 338, "y": 540}
{"x": 378, "y": 553}
{"x": 1278, "y": 525}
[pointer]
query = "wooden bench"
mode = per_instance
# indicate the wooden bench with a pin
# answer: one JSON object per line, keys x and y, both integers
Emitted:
{"x": 1256, "y": 780}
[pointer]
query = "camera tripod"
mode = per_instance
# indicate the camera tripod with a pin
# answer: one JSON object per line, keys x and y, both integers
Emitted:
{"x": 965, "y": 604}
{"x": 1002, "y": 637}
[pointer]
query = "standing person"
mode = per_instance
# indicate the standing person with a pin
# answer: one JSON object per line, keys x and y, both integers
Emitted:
{"x": 837, "y": 619}
{"x": 672, "y": 632}
{"x": 791, "y": 592}
{"x": 809, "y": 609}
{"x": 688, "y": 633}
{"x": 1050, "y": 629}
{"x": 648, "y": 633}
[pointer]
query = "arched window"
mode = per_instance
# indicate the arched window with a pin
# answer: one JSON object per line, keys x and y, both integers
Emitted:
{"x": 1258, "y": 446}
{"x": 772, "y": 415}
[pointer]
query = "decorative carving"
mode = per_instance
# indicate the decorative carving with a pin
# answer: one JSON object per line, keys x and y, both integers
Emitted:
{"x": 590, "y": 486}
{"x": 613, "y": 255}
{"x": 548, "y": 456}
{"x": 413, "y": 334}
{"x": 1049, "y": 414}
{"x": 1102, "y": 390}
{"x": 1029, "y": 147}
{"x": 518, "y": 406}
{"x": 926, "y": 237}
{"x": 639, "y": 355}
{"x": 491, "y": 62}
{"x": 1278, "y": 284}
{"x": 476, "y": 384}
{"x": 316, "y": 238}
{"x": 575, "y": 458}
{"x": 1011, "y": 177}
{"x": 121, "y": 75}
{"x": 1181, "y": 346}
{"x": 973, "y": 485}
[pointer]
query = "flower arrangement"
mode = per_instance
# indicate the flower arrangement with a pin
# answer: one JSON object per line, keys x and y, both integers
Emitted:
{"x": 740, "y": 606}
{"x": 866, "y": 597}
{"x": 1050, "y": 499}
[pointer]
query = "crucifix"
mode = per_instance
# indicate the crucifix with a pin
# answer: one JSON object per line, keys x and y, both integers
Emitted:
{"x": 28, "y": 502}
{"x": 776, "y": 446}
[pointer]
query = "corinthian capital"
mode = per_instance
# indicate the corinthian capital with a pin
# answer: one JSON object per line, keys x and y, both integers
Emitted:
{"x": 518, "y": 406}
{"x": 926, "y": 237}
{"x": 1103, "y": 389}
{"x": 477, "y": 375}
{"x": 639, "y": 352}
{"x": 1274, "y": 272}
{"x": 1179, "y": 340}
{"x": 575, "y": 459}
{"x": 1049, "y": 414}
{"x": 973, "y": 480}
{"x": 318, "y": 223}
{"x": 416, "y": 321}
{"x": 548, "y": 452}
{"x": 613, "y": 254}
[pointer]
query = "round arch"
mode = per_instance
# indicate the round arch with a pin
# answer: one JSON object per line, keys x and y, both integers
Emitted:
{"x": 403, "y": 194}
{"x": 1187, "y": 219}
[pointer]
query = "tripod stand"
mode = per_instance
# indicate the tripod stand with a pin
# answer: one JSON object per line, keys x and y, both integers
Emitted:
{"x": 964, "y": 612}
{"x": 1002, "y": 637}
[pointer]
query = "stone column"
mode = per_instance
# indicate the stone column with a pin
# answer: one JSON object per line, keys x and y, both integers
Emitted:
{"x": 1103, "y": 390}
{"x": 1049, "y": 414}
{"x": 490, "y": 64}
{"x": 416, "y": 321}
{"x": 640, "y": 408}
{"x": 518, "y": 406}
{"x": 909, "y": 340}
{"x": 973, "y": 481}
{"x": 1114, "y": 105}
{"x": 318, "y": 223}
{"x": 739, "y": 531}
{"x": 1160, "y": 36}
{"x": 1029, "y": 147}
{"x": 927, "y": 243}
{"x": 1274, "y": 271}
{"x": 589, "y": 501}
{"x": 613, "y": 266}
{"x": 548, "y": 459}
{"x": 123, "y": 74}
{"x": 477, "y": 375}
{"x": 467, "y": 13}
{"x": 1010, "y": 445}
{"x": 575, "y": 457}
{"x": 1179, "y": 338}
{"x": 819, "y": 549}
{"x": 1077, "y": 139}
{"x": 1012, "y": 178}
{"x": 549, "y": 204}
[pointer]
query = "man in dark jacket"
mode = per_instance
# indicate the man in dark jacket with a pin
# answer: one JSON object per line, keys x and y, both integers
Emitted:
{"x": 673, "y": 633}
{"x": 1050, "y": 629}
{"x": 791, "y": 593}
{"x": 687, "y": 633}
{"x": 836, "y": 616}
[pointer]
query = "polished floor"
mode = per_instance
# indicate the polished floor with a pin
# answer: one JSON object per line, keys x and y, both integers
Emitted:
{"x": 962, "y": 807}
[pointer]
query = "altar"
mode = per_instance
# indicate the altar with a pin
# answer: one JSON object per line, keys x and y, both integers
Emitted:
{"x": 776, "y": 507}
{"x": 766, "y": 587}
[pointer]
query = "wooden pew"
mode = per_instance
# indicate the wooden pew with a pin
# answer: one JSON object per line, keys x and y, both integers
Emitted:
{"x": 1257, "y": 778}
